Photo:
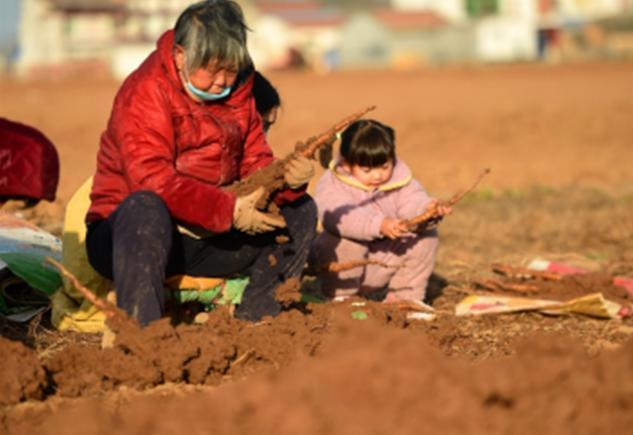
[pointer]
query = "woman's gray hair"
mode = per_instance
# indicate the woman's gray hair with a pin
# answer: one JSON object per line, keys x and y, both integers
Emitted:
{"x": 213, "y": 30}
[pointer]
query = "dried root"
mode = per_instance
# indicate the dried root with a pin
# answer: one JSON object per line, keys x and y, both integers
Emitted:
{"x": 521, "y": 274}
{"x": 310, "y": 147}
{"x": 111, "y": 311}
{"x": 495, "y": 285}
{"x": 335, "y": 267}
{"x": 433, "y": 212}
{"x": 272, "y": 176}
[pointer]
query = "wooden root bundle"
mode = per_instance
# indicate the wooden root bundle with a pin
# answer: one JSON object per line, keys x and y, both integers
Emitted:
{"x": 521, "y": 274}
{"x": 272, "y": 176}
{"x": 433, "y": 212}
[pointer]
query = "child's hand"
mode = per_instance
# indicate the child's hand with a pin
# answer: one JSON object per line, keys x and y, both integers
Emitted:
{"x": 393, "y": 228}
{"x": 442, "y": 208}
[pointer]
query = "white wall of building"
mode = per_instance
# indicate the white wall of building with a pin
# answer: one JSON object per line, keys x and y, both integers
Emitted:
{"x": 315, "y": 41}
{"x": 505, "y": 39}
{"x": 150, "y": 18}
{"x": 453, "y": 10}
{"x": 526, "y": 10}
{"x": 592, "y": 8}
{"x": 39, "y": 36}
{"x": 269, "y": 41}
{"x": 365, "y": 42}
{"x": 125, "y": 58}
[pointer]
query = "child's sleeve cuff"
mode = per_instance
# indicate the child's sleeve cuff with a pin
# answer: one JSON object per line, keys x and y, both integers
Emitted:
{"x": 374, "y": 226}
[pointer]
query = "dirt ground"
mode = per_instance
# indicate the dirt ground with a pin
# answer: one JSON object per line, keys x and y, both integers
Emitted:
{"x": 558, "y": 141}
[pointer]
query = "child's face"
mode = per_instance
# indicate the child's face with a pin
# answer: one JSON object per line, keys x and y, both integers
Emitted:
{"x": 372, "y": 177}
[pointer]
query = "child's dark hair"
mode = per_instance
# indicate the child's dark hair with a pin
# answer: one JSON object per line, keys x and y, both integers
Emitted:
{"x": 368, "y": 143}
{"x": 265, "y": 94}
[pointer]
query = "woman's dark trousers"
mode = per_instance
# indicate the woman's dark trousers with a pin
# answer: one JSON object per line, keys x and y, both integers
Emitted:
{"x": 138, "y": 245}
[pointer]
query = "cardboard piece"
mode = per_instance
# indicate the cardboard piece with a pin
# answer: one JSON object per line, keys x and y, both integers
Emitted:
{"x": 593, "y": 305}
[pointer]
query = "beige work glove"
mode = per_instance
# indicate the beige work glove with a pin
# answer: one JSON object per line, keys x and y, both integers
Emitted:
{"x": 248, "y": 219}
{"x": 299, "y": 171}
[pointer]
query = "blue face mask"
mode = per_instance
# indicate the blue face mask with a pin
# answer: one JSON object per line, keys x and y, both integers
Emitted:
{"x": 208, "y": 96}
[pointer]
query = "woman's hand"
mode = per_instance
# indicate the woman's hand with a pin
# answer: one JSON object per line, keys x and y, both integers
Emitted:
{"x": 393, "y": 228}
{"x": 248, "y": 219}
{"x": 299, "y": 171}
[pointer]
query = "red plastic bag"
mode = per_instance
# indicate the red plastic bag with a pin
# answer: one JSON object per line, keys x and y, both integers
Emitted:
{"x": 566, "y": 269}
{"x": 29, "y": 164}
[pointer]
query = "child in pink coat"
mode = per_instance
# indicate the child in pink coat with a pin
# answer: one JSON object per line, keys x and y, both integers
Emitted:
{"x": 363, "y": 201}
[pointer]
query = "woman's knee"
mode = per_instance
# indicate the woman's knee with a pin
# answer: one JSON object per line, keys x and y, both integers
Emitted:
{"x": 301, "y": 215}
{"x": 309, "y": 207}
{"x": 142, "y": 200}
{"x": 144, "y": 211}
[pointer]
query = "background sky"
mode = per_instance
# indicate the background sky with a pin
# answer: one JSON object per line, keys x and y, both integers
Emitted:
{"x": 8, "y": 23}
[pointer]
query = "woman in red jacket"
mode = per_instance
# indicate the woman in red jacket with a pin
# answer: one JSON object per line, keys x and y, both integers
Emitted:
{"x": 183, "y": 125}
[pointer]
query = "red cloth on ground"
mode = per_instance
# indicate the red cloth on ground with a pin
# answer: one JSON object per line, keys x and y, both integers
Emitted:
{"x": 29, "y": 164}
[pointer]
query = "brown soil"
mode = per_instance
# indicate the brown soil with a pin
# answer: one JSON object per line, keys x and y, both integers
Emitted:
{"x": 531, "y": 124}
{"x": 186, "y": 354}
{"x": 573, "y": 286}
{"x": 368, "y": 379}
{"x": 558, "y": 142}
{"x": 22, "y": 376}
{"x": 289, "y": 292}
{"x": 272, "y": 260}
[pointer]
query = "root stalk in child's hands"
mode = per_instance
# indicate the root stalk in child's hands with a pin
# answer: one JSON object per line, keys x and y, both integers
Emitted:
{"x": 433, "y": 212}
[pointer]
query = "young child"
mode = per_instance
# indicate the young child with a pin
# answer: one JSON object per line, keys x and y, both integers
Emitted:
{"x": 267, "y": 100}
{"x": 363, "y": 200}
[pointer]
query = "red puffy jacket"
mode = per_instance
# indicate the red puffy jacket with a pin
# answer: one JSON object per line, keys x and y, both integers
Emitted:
{"x": 29, "y": 164}
{"x": 161, "y": 140}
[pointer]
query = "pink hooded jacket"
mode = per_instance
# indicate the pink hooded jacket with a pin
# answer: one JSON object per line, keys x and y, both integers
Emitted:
{"x": 349, "y": 209}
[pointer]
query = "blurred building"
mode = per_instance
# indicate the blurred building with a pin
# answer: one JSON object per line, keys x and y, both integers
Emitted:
{"x": 507, "y": 31}
{"x": 572, "y": 29}
{"x": 56, "y": 33}
{"x": 451, "y": 10}
{"x": 401, "y": 39}
{"x": 62, "y": 37}
{"x": 303, "y": 33}
{"x": 411, "y": 37}
{"x": 142, "y": 23}
{"x": 112, "y": 37}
